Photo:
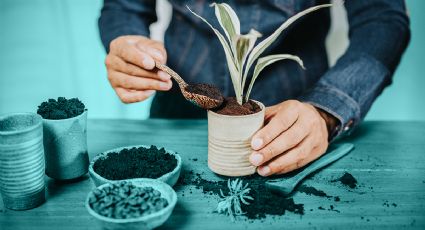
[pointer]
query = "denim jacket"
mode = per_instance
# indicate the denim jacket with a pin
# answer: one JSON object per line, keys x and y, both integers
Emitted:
{"x": 378, "y": 35}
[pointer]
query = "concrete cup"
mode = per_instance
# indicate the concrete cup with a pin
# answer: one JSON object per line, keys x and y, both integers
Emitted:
{"x": 229, "y": 142}
{"x": 22, "y": 163}
{"x": 65, "y": 147}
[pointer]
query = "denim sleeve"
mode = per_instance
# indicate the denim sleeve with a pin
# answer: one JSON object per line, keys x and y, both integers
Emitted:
{"x": 125, "y": 17}
{"x": 378, "y": 33}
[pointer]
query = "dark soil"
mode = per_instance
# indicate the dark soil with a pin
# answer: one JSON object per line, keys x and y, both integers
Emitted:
{"x": 205, "y": 90}
{"x": 312, "y": 191}
{"x": 347, "y": 179}
{"x": 265, "y": 201}
{"x": 135, "y": 163}
{"x": 61, "y": 108}
{"x": 231, "y": 107}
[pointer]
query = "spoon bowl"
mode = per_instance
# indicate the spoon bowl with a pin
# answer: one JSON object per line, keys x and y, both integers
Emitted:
{"x": 203, "y": 95}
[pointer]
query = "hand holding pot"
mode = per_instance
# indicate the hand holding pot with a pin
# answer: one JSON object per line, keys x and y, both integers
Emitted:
{"x": 295, "y": 134}
{"x": 131, "y": 68}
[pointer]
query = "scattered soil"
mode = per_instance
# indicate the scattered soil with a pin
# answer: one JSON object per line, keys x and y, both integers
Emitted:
{"x": 231, "y": 107}
{"x": 61, "y": 108}
{"x": 265, "y": 201}
{"x": 135, "y": 163}
{"x": 347, "y": 179}
{"x": 312, "y": 191}
{"x": 205, "y": 90}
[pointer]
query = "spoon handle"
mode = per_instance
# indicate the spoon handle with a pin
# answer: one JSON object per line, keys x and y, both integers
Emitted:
{"x": 328, "y": 158}
{"x": 173, "y": 74}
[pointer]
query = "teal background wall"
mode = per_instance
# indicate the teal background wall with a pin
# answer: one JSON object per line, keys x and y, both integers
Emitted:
{"x": 51, "y": 48}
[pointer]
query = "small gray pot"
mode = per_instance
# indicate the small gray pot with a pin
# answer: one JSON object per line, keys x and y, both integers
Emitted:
{"x": 65, "y": 147}
{"x": 21, "y": 161}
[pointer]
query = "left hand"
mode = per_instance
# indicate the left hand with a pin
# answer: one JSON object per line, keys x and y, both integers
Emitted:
{"x": 295, "y": 134}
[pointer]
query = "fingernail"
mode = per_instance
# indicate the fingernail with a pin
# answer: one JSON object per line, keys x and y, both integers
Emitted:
{"x": 149, "y": 92}
{"x": 156, "y": 53}
{"x": 256, "y": 159}
{"x": 256, "y": 143}
{"x": 148, "y": 63}
{"x": 164, "y": 85}
{"x": 163, "y": 75}
{"x": 264, "y": 171}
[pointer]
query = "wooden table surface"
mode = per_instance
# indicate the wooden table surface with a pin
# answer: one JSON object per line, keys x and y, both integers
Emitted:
{"x": 388, "y": 162}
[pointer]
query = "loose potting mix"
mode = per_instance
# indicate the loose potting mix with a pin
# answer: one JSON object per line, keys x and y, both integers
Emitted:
{"x": 205, "y": 90}
{"x": 135, "y": 163}
{"x": 61, "y": 108}
{"x": 124, "y": 200}
{"x": 231, "y": 107}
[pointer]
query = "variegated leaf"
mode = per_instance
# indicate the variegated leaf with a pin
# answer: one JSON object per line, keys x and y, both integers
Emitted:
{"x": 228, "y": 20}
{"x": 234, "y": 74}
{"x": 259, "y": 49}
{"x": 268, "y": 60}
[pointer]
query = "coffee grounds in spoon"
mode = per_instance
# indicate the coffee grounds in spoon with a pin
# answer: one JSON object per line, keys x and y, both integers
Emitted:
{"x": 205, "y": 90}
{"x": 135, "y": 163}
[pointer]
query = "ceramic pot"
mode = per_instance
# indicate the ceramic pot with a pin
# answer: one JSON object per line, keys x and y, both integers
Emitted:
{"x": 65, "y": 147}
{"x": 21, "y": 161}
{"x": 229, "y": 142}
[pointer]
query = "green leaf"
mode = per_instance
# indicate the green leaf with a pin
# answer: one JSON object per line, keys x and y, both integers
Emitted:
{"x": 268, "y": 60}
{"x": 263, "y": 45}
{"x": 228, "y": 20}
{"x": 234, "y": 73}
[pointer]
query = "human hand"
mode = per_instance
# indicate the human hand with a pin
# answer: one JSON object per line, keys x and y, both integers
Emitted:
{"x": 295, "y": 134}
{"x": 131, "y": 68}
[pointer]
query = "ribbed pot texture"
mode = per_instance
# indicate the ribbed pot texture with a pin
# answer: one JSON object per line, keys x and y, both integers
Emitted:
{"x": 229, "y": 142}
{"x": 21, "y": 161}
{"x": 65, "y": 147}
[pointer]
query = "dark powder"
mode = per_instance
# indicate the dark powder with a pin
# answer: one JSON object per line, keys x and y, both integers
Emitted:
{"x": 265, "y": 201}
{"x": 135, "y": 163}
{"x": 230, "y": 106}
{"x": 312, "y": 191}
{"x": 61, "y": 108}
{"x": 205, "y": 90}
{"x": 347, "y": 179}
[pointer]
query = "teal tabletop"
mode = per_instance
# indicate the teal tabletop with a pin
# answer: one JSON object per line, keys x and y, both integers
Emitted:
{"x": 388, "y": 162}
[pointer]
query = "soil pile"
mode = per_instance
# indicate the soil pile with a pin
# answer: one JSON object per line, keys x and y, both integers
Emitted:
{"x": 61, "y": 108}
{"x": 135, "y": 163}
{"x": 348, "y": 180}
{"x": 265, "y": 201}
{"x": 231, "y": 107}
{"x": 205, "y": 90}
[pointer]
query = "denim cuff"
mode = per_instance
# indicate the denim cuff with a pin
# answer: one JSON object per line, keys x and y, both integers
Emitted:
{"x": 337, "y": 103}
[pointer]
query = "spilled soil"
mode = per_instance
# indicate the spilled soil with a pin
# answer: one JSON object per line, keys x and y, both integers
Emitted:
{"x": 135, "y": 163}
{"x": 231, "y": 107}
{"x": 61, "y": 108}
{"x": 347, "y": 179}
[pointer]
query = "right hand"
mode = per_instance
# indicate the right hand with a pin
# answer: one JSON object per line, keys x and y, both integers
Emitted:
{"x": 131, "y": 68}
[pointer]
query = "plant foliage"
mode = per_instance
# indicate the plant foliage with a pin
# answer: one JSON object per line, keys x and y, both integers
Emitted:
{"x": 238, "y": 195}
{"x": 240, "y": 50}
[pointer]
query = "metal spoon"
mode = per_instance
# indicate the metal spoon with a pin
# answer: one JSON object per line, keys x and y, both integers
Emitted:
{"x": 203, "y": 101}
{"x": 287, "y": 185}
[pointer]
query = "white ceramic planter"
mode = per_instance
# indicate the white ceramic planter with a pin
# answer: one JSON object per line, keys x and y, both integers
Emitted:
{"x": 21, "y": 161}
{"x": 65, "y": 147}
{"x": 229, "y": 142}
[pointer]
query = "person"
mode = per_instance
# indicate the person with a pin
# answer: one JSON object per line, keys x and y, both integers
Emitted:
{"x": 306, "y": 108}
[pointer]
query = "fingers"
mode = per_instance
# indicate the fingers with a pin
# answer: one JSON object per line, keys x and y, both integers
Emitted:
{"x": 154, "y": 48}
{"x": 115, "y": 63}
{"x": 131, "y": 96}
{"x": 285, "y": 116}
{"x": 315, "y": 153}
{"x": 121, "y": 80}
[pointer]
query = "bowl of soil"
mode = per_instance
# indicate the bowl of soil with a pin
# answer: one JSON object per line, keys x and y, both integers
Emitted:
{"x": 135, "y": 162}
{"x": 135, "y": 204}
{"x": 230, "y": 128}
{"x": 65, "y": 138}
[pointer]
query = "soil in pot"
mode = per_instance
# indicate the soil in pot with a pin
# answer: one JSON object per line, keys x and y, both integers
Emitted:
{"x": 124, "y": 200}
{"x": 231, "y": 107}
{"x": 61, "y": 108}
{"x": 135, "y": 163}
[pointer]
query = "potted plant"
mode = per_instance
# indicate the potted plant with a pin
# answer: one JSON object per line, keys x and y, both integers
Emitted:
{"x": 231, "y": 127}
